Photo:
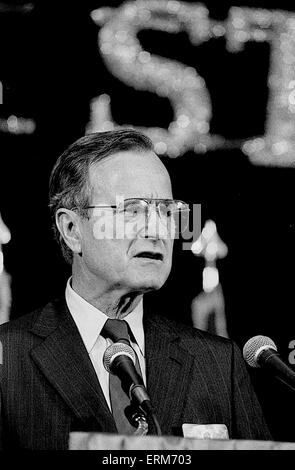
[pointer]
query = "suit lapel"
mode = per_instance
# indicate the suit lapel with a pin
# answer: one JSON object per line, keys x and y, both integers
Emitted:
{"x": 63, "y": 359}
{"x": 168, "y": 373}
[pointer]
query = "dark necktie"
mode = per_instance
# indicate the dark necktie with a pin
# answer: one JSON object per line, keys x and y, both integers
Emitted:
{"x": 117, "y": 331}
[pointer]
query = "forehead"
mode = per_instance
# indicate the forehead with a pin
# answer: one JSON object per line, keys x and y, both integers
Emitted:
{"x": 130, "y": 174}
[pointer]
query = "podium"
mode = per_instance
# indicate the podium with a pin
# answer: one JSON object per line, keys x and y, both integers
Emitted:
{"x": 97, "y": 441}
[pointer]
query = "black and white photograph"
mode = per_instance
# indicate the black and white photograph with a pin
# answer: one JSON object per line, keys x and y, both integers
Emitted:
{"x": 147, "y": 228}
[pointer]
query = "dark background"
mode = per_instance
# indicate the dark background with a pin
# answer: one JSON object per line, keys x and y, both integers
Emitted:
{"x": 50, "y": 67}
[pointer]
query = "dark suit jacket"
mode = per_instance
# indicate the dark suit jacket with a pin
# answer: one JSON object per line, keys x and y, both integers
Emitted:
{"x": 49, "y": 386}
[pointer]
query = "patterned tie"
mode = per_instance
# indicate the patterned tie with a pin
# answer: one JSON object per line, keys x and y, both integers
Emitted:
{"x": 117, "y": 331}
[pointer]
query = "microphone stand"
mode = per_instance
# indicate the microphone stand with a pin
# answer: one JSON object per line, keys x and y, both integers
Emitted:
{"x": 120, "y": 363}
{"x": 138, "y": 418}
{"x": 142, "y": 425}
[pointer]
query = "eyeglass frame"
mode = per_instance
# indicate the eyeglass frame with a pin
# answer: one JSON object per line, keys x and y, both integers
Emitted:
{"x": 149, "y": 201}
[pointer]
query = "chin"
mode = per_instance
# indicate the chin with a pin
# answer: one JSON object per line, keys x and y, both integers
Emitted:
{"x": 150, "y": 283}
{"x": 150, "y": 278}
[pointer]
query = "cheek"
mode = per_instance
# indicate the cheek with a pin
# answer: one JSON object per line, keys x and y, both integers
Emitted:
{"x": 104, "y": 227}
{"x": 108, "y": 228}
{"x": 108, "y": 256}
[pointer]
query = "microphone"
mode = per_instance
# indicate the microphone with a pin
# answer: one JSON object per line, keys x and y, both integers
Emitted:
{"x": 261, "y": 351}
{"x": 119, "y": 359}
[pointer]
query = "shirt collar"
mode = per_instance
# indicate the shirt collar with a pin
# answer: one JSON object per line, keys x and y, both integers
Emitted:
{"x": 90, "y": 320}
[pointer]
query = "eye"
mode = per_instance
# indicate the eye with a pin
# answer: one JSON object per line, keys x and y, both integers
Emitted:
{"x": 132, "y": 209}
{"x": 166, "y": 210}
{"x": 169, "y": 212}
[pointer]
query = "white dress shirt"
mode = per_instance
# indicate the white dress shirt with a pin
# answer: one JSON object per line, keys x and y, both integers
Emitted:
{"x": 90, "y": 321}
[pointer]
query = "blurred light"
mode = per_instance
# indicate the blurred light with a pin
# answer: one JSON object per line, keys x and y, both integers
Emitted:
{"x": 280, "y": 147}
{"x": 254, "y": 145}
{"x": 183, "y": 121}
{"x": 144, "y": 57}
{"x": 173, "y": 6}
{"x": 212, "y": 249}
{"x": 200, "y": 148}
{"x": 203, "y": 127}
{"x": 210, "y": 278}
{"x": 160, "y": 147}
{"x": 17, "y": 125}
{"x": 5, "y": 235}
{"x": 209, "y": 230}
{"x": 218, "y": 30}
{"x": 145, "y": 15}
{"x": 242, "y": 36}
{"x": 12, "y": 123}
{"x": 125, "y": 58}
{"x": 121, "y": 36}
{"x": 277, "y": 27}
{"x": 238, "y": 22}
{"x": 197, "y": 246}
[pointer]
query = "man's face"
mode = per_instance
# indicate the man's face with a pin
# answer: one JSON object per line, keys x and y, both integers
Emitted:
{"x": 140, "y": 261}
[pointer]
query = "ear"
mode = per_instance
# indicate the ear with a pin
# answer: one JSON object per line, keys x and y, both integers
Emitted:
{"x": 67, "y": 222}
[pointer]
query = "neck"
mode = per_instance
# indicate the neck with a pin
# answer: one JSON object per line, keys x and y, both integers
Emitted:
{"x": 114, "y": 303}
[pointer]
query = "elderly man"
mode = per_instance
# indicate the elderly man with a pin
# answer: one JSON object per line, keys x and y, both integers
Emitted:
{"x": 115, "y": 218}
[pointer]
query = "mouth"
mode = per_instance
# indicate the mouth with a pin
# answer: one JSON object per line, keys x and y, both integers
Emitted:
{"x": 150, "y": 255}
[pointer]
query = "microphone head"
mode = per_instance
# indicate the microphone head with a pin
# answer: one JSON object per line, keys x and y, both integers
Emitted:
{"x": 115, "y": 350}
{"x": 254, "y": 347}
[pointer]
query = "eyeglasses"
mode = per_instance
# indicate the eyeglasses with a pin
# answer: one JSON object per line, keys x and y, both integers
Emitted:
{"x": 174, "y": 213}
